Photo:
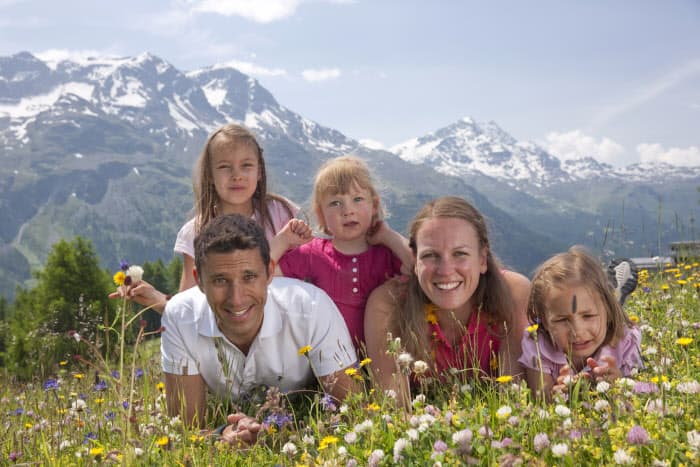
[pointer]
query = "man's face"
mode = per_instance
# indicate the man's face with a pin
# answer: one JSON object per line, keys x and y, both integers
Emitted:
{"x": 235, "y": 285}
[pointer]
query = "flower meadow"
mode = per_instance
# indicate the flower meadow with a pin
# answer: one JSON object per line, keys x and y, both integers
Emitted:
{"x": 94, "y": 411}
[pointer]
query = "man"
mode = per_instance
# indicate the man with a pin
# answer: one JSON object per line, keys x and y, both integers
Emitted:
{"x": 241, "y": 329}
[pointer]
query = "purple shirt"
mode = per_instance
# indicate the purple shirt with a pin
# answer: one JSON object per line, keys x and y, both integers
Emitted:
{"x": 347, "y": 279}
{"x": 626, "y": 352}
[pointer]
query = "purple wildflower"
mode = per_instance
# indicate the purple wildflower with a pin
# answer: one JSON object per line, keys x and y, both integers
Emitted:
{"x": 115, "y": 374}
{"x": 277, "y": 419}
{"x": 637, "y": 435}
{"x": 439, "y": 446}
{"x": 18, "y": 411}
{"x": 14, "y": 455}
{"x": 575, "y": 434}
{"x": 125, "y": 404}
{"x": 50, "y": 384}
{"x": 642, "y": 387}
{"x": 88, "y": 436}
{"x": 123, "y": 265}
{"x": 138, "y": 373}
{"x": 110, "y": 415}
{"x": 328, "y": 403}
{"x": 101, "y": 385}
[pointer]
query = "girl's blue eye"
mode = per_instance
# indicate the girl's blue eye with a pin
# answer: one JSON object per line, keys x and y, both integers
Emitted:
{"x": 358, "y": 199}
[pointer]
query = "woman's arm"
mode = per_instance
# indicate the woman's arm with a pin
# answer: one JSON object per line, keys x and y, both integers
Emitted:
{"x": 379, "y": 321}
{"x": 511, "y": 350}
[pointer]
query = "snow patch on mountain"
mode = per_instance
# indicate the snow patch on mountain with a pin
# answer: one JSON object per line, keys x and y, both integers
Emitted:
{"x": 32, "y": 105}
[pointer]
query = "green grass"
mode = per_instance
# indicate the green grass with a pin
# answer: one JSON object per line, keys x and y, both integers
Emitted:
{"x": 653, "y": 418}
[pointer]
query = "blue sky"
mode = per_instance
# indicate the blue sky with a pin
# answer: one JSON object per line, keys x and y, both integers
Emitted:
{"x": 616, "y": 79}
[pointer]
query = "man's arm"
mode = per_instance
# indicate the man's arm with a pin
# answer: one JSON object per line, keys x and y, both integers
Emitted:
{"x": 185, "y": 395}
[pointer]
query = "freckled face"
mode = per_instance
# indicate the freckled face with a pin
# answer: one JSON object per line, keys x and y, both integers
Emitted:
{"x": 449, "y": 262}
{"x": 235, "y": 285}
{"x": 236, "y": 172}
{"x": 580, "y": 333}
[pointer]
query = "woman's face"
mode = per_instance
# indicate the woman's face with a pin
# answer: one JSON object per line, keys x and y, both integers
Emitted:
{"x": 449, "y": 262}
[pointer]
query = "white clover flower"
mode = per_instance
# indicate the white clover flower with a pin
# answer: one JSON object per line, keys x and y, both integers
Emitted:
{"x": 602, "y": 387}
{"x": 419, "y": 399}
{"x": 350, "y": 437}
{"x": 420, "y": 367}
{"x": 654, "y": 406}
{"x": 541, "y": 442}
{"x": 412, "y": 434}
{"x": 342, "y": 452}
{"x": 426, "y": 419}
{"x": 136, "y": 273}
{"x": 375, "y": 458}
{"x": 404, "y": 359}
{"x": 621, "y": 457}
{"x": 560, "y": 449}
{"x": 562, "y": 410}
{"x": 364, "y": 426}
{"x": 399, "y": 446}
{"x": 463, "y": 437}
{"x": 65, "y": 444}
{"x": 542, "y": 414}
{"x": 693, "y": 440}
{"x": 78, "y": 405}
{"x": 650, "y": 350}
{"x": 308, "y": 439}
{"x": 601, "y": 405}
{"x": 289, "y": 449}
{"x": 625, "y": 382}
{"x": 566, "y": 423}
{"x": 343, "y": 408}
{"x": 513, "y": 421}
{"x": 77, "y": 337}
{"x": 138, "y": 452}
{"x": 390, "y": 393}
{"x": 504, "y": 412}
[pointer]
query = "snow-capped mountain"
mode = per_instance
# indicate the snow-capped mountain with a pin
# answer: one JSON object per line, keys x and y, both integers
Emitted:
{"x": 468, "y": 148}
{"x": 148, "y": 93}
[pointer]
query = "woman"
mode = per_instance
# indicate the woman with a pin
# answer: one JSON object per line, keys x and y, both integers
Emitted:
{"x": 458, "y": 310}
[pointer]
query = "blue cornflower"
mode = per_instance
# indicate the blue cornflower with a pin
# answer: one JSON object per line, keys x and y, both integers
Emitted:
{"x": 115, "y": 374}
{"x": 110, "y": 416}
{"x": 125, "y": 404}
{"x": 50, "y": 384}
{"x": 88, "y": 436}
{"x": 138, "y": 373}
{"x": 123, "y": 265}
{"x": 19, "y": 411}
{"x": 101, "y": 385}
{"x": 277, "y": 419}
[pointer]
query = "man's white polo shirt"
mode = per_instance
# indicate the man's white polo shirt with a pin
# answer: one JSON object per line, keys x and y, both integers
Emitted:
{"x": 296, "y": 314}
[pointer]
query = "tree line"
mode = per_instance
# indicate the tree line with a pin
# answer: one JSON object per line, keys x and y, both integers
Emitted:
{"x": 37, "y": 330}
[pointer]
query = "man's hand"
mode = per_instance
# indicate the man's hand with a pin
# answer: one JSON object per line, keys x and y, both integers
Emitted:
{"x": 241, "y": 431}
{"x": 142, "y": 293}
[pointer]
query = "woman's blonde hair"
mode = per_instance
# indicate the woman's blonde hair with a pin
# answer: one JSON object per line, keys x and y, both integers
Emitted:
{"x": 206, "y": 198}
{"x": 492, "y": 295}
{"x": 575, "y": 268}
{"x": 338, "y": 176}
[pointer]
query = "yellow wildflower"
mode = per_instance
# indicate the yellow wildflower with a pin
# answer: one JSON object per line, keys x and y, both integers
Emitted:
{"x": 305, "y": 350}
{"x": 366, "y": 361}
{"x": 373, "y": 407}
{"x": 634, "y": 318}
{"x": 351, "y": 371}
{"x": 327, "y": 441}
{"x": 97, "y": 451}
{"x": 99, "y": 400}
{"x": 119, "y": 278}
{"x": 504, "y": 379}
{"x": 78, "y": 375}
{"x": 63, "y": 362}
{"x": 684, "y": 341}
{"x": 28, "y": 425}
{"x": 162, "y": 441}
{"x": 664, "y": 286}
{"x": 681, "y": 282}
{"x": 532, "y": 328}
{"x": 160, "y": 386}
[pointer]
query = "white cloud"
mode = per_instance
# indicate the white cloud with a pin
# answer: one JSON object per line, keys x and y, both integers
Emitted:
{"x": 80, "y": 56}
{"x": 575, "y": 144}
{"x": 252, "y": 69}
{"x": 320, "y": 74}
{"x": 259, "y": 11}
{"x": 686, "y": 157}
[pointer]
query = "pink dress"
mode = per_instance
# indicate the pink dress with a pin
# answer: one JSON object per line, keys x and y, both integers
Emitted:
{"x": 347, "y": 279}
{"x": 478, "y": 348}
{"x": 626, "y": 352}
